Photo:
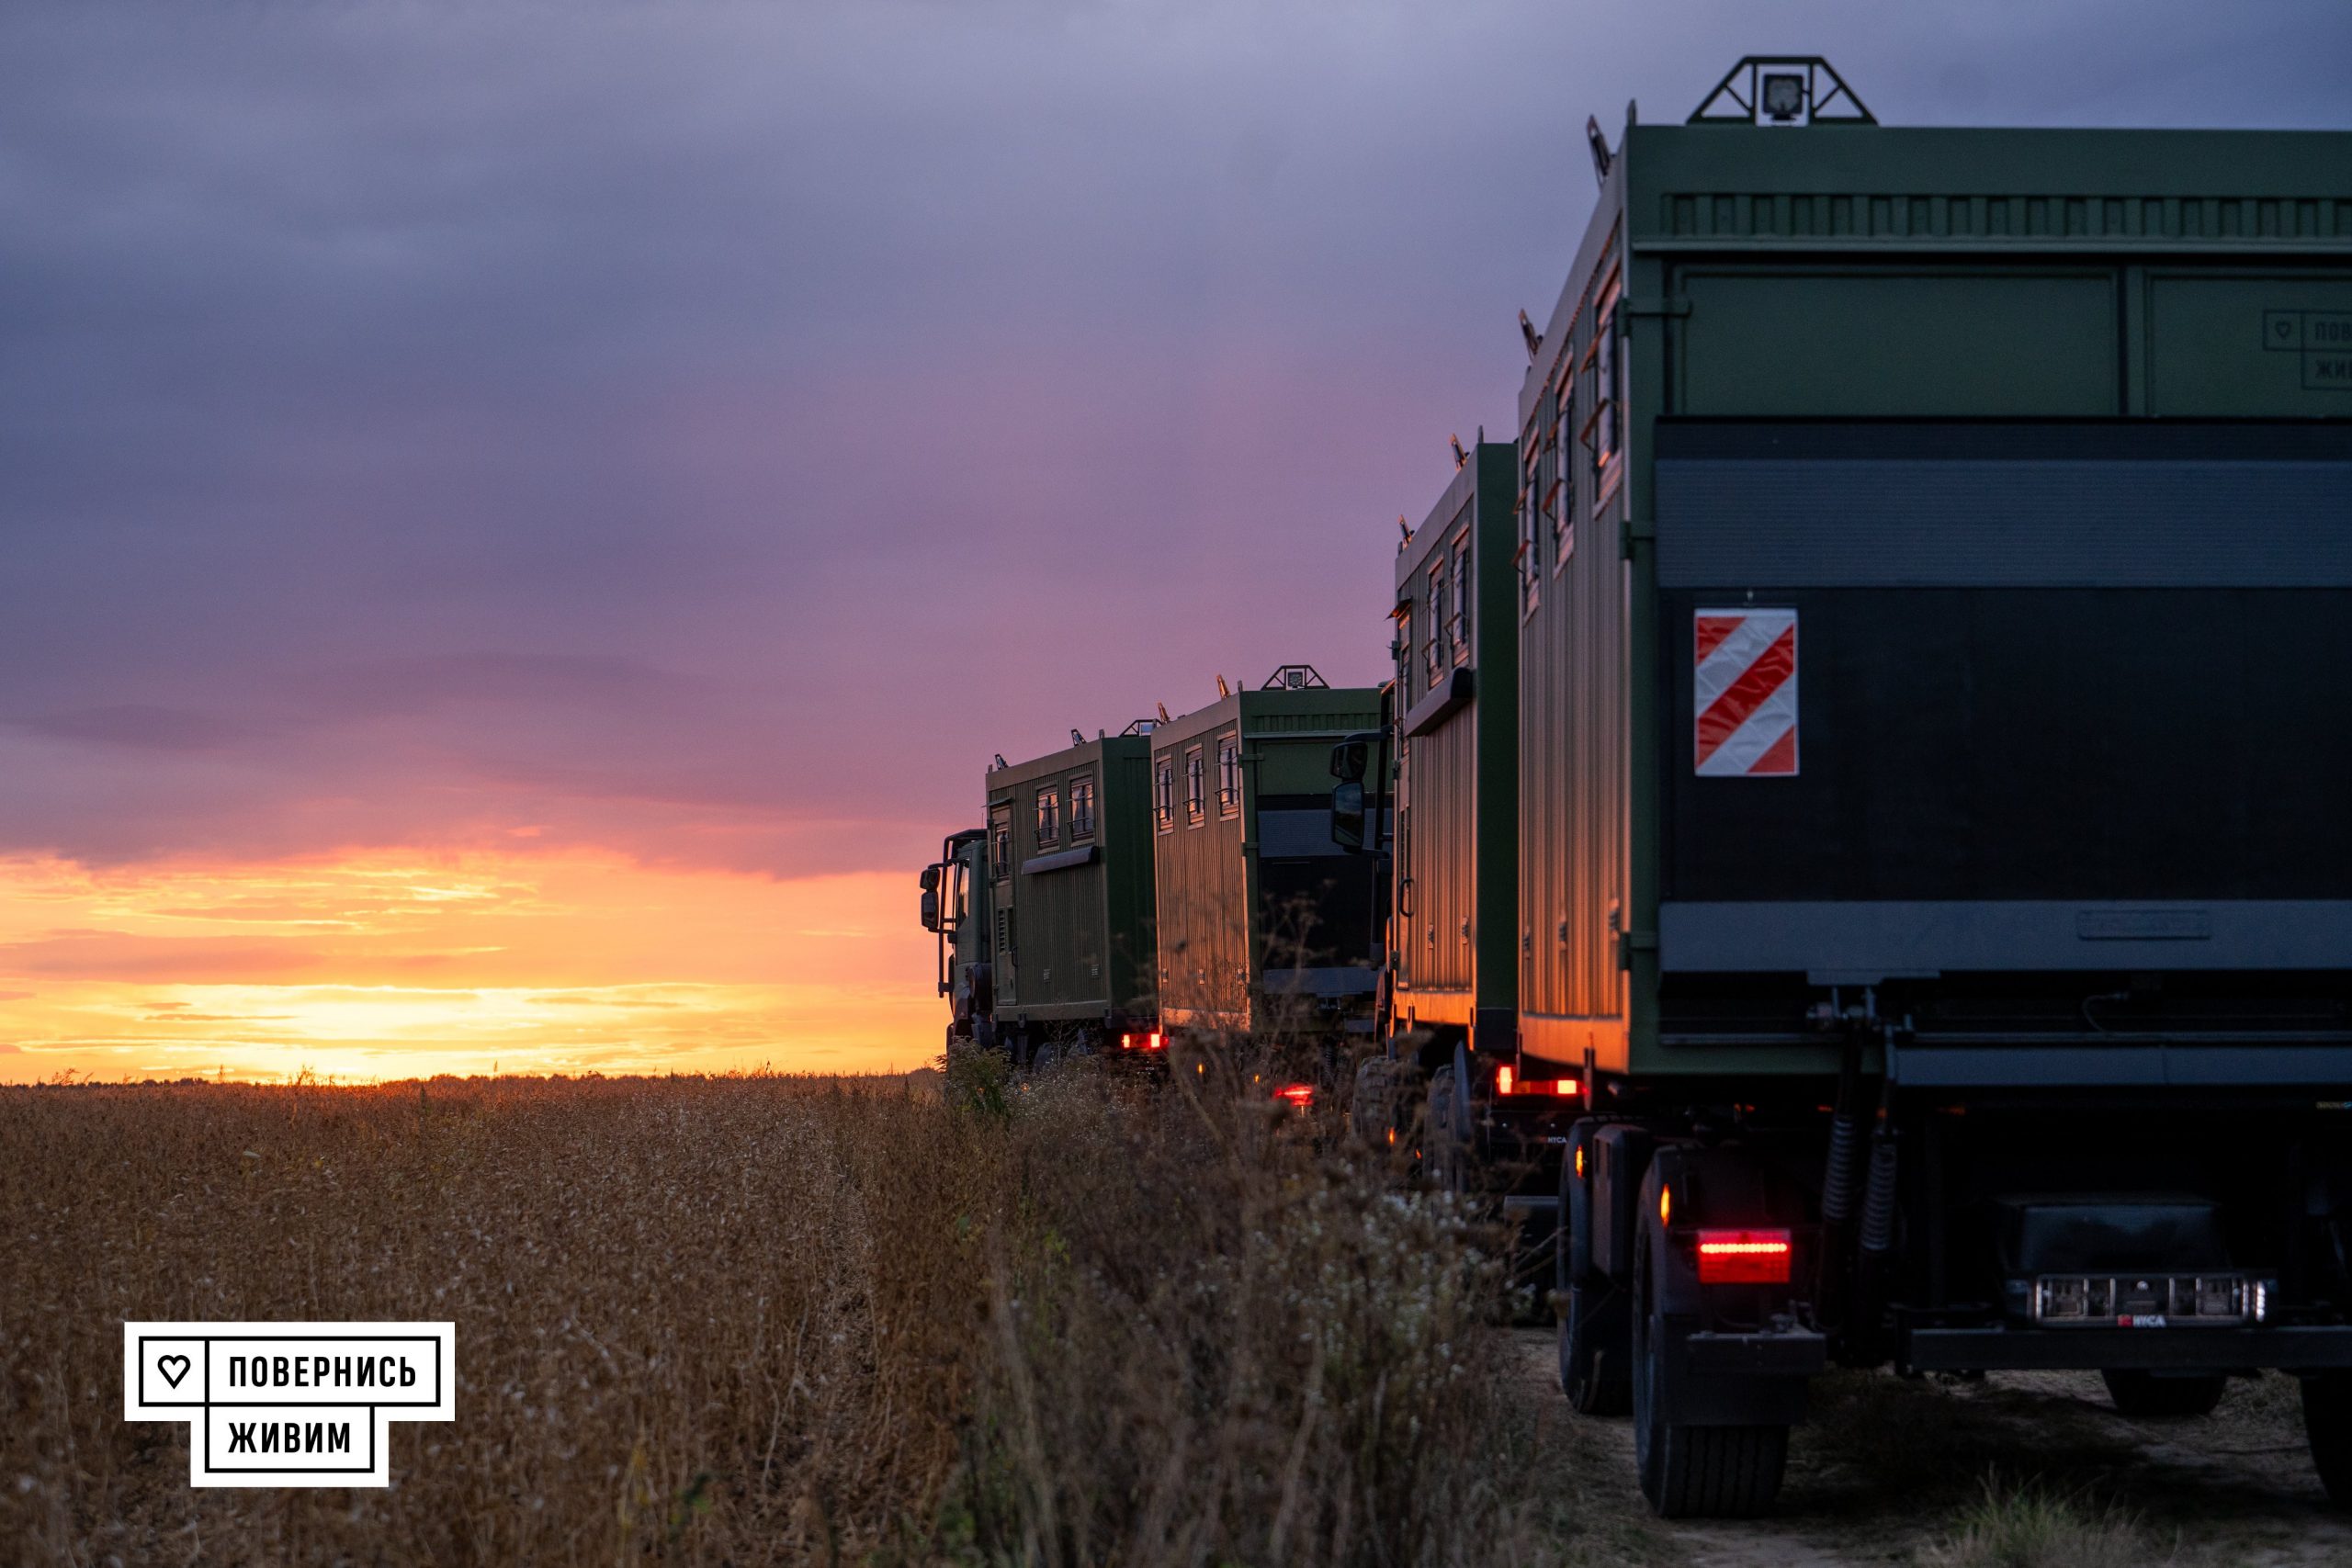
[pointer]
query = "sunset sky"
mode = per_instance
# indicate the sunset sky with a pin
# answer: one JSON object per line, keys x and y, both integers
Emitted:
{"x": 524, "y": 521}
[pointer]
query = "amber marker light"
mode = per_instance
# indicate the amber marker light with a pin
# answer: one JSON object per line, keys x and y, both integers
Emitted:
{"x": 1666, "y": 1205}
{"x": 1744, "y": 1258}
{"x": 1579, "y": 1162}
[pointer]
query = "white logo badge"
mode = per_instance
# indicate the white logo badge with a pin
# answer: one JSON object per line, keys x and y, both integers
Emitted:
{"x": 287, "y": 1403}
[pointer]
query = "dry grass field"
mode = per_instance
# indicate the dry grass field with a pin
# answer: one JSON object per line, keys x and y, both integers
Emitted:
{"x": 763, "y": 1320}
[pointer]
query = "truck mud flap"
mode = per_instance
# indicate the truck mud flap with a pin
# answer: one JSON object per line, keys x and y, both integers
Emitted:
{"x": 1737, "y": 1379}
{"x": 1796, "y": 1353}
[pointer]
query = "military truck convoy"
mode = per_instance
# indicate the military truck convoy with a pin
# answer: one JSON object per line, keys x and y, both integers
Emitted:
{"x": 1180, "y": 874}
{"x": 1871, "y": 773}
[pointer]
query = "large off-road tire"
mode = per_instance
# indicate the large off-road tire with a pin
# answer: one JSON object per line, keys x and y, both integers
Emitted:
{"x": 2146, "y": 1393}
{"x": 1373, "y": 1109}
{"x": 2327, "y": 1422}
{"x": 1593, "y": 1370}
{"x": 1446, "y": 1155}
{"x": 1692, "y": 1473}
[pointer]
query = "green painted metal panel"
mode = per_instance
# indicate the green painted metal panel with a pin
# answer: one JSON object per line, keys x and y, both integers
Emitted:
{"x": 1874, "y": 342}
{"x": 1964, "y": 191}
{"x": 1072, "y": 912}
{"x": 1496, "y": 635}
{"x": 2233, "y": 344}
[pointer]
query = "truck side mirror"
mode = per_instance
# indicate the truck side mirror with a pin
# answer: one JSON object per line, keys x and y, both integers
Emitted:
{"x": 931, "y": 908}
{"x": 931, "y": 879}
{"x": 1347, "y": 816}
{"x": 1348, "y": 763}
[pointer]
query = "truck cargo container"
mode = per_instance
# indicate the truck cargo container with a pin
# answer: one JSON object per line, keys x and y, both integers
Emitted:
{"x": 1265, "y": 921}
{"x": 1454, "y": 966}
{"x": 1453, "y": 960}
{"x": 1071, "y": 895}
{"x": 1935, "y": 860}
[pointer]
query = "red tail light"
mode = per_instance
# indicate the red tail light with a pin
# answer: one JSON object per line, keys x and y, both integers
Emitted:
{"x": 1301, "y": 1095}
{"x": 1508, "y": 1081}
{"x": 1126, "y": 1042}
{"x": 1155, "y": 1043}
{"x": 1744, "y": 1258}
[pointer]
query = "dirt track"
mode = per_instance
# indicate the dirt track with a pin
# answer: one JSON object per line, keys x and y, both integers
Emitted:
{"x": 1884, "y": 1465}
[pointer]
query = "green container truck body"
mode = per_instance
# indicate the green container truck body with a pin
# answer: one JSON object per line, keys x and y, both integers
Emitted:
{"x": 1937, "y": 582}
{"x": 1454, "y": 940}
{"x": 1071, "y": 876}
{"x": 1265, "y": 923}
{"x": 1976, "y": 406}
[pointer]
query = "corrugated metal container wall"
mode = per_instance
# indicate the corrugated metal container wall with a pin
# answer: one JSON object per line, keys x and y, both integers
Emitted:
{"x": 1438, "y": 826}
{"x": 1456, "y": 910}
{"x": 1061, "y": 958}
{"x": 1437, "y": 917}
{"x": 1572, "y": 709}
{"x": 1202, "y": 895}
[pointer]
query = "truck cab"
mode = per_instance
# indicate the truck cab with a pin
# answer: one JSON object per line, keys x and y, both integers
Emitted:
{"x": 956, "y": 909}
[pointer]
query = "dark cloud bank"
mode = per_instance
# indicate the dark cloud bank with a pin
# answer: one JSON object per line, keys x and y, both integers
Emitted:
{"x": 713, "y": 428}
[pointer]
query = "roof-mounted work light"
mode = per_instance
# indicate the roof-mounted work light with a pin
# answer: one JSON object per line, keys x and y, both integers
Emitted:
{"x": 1782, "y": 89}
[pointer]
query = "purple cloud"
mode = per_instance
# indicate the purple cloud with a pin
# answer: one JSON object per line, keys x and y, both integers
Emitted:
{"x": 712, "y": 429}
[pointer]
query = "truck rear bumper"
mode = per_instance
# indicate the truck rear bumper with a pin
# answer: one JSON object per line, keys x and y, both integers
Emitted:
{"x": 2155, "y": 1350}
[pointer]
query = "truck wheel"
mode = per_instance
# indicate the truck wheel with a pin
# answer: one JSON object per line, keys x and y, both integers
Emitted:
{"x": 2149, "y": 1393}
{"x": 1723, "y": 1473}
{"x": 2327, "y": 1422}
{"x": 1372, "y": 1113}
{"x": 1445, "y": 1157}
{"x": 1594, "y": 1372}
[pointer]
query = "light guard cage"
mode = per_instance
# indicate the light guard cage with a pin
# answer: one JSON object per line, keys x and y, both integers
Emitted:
{"x": 1782, "y": 89}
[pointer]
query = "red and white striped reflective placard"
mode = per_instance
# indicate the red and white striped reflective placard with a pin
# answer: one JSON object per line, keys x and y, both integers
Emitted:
{"x": 1744, "y": 683}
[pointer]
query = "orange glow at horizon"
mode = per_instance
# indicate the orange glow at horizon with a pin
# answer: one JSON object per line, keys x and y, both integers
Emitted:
{"x": 399, "y": 964}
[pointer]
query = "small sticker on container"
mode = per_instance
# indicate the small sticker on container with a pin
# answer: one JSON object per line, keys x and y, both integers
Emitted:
{"x": 1744, "y": 679}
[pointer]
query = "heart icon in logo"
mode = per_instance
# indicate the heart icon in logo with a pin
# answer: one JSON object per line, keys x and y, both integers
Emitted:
{"x": 173, "y": 1367}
